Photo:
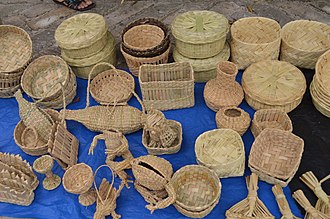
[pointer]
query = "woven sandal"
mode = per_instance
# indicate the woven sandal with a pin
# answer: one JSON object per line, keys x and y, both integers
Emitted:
{"x": 73, "y": 4}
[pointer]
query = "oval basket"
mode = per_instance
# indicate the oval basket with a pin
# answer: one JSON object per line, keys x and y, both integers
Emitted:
{"x": 254, "y": 39}
{"x": 221, "y": 150}
{"x": 303, "y": 42}
{"x": 78, "y": 179}
{"x": 200, "y": 34}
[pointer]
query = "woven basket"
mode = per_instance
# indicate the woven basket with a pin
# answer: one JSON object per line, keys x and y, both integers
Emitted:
{"x": 9, "y": 92}
{"x": 273, "y": 84}
{"x": 254, "y": 39}
{"x": 200, "y": 34}
{"x": 270, "y": 118}
{"x": 221, "y": 150}
{"x": 275, "y": 156}
{"x": 204, "y": 69}
{"x": 167, "y": 86}
{"x": 78, "y": 179}
{"x": 233, "y": 118}
{"x": 303, "y": 42}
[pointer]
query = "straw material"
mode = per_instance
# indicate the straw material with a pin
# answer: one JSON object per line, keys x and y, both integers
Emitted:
{"x": 270, "y": 118}
{"x": 9, "y": 92}
{"x": 273, "y": 84}
{"x": 44, "y": 165}
{"x": 282, "y": 203}
{"x": 200, "y": 34}
{"x": 167, "y": 86}
{"x": 204, "y": 69}
{"x": 196, "y": 214}
{"x": 221, "y": 150}
{"x": 78, "y": 179}
{"x": 275, "y": 156}
{"x": 252, "y": 206}
{"x": 303, "y": 42}
{"x": 233, "y": 118}
{"x": 254, "y": 39}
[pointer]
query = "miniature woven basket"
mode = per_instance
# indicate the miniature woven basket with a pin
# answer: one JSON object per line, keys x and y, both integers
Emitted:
{"x": 233, "y": 118}
{"x": 303, "y": 42}
{"x": 200, "y": 34}
{"x": 254, "y": 39}
{"x": 275, "y": 156}
{"x": 270, "y": 118}
{"x": 204, "y": 69}
{"x": 273, "y": 84}
{"x": 78, "y": 179}
{"x": 167, "y": 86}
{"x": 197, "y": 189}
{"x": 221, "y": 150}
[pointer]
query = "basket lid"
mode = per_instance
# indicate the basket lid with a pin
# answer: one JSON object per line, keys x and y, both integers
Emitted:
{"x": 274, "y": 82}
{"x": 199, "y": 27}
{"x": 80, "y": 30}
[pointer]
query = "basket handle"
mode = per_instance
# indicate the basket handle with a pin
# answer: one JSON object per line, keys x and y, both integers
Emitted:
{"x": 111, "y": 185}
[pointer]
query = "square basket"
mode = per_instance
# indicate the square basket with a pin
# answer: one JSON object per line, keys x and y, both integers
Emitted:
{"x": 167, "y": 86}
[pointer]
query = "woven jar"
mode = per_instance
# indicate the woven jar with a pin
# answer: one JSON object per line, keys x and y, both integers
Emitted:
{"x": 303, "y": 42}
{"x": 233, "y": 118}
{"x": 254, "y": 39}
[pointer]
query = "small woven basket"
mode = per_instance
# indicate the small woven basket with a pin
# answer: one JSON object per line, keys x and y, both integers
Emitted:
{"x": 275, "y": 156}
{"x": 167, "y": 86}
{"x": 254, "y": 39}
{"x": 270, "y": 118}
{"x": 221, "y": 150}
{"x": 78, "y": 179}
{"x": 233, "y": 118}
{"x": 303, "y": 42}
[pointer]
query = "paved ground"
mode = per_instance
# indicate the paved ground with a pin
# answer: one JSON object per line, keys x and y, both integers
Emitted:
{"x": 41, "y": 17}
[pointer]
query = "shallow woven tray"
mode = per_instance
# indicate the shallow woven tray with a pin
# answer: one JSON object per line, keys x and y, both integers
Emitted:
{"x": 275, "y": 156}
{"x": 221, "y": 150}
{"x": 273, "y": 84}
{"x": 78, "y": 179}
{"x": 254, "y": 39}
{"x": 303, "y": 42}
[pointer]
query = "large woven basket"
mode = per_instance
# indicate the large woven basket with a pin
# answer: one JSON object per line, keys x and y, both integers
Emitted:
{"x": 275, "y": 156}
{"x": 221, "y": 150}
{"x": 167, "y": 86}
{"x": 273, "y": 84}
{"x": 200, "y": 34}
{"x": 303, "y": 42}
{"x": 204, "y": 69}
{"x": 254, "y": 39}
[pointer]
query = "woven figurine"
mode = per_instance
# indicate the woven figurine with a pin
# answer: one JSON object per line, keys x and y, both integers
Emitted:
{"x": 282, "y": 203}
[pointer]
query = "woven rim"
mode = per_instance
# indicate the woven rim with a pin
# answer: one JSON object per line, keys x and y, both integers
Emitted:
{"x": 84, "y": 185}
{"x": 16, "y": 45}
{"x": 321, "y": 72}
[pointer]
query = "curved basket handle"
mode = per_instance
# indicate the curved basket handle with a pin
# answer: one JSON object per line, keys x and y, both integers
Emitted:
{"x": 111, "y": 185}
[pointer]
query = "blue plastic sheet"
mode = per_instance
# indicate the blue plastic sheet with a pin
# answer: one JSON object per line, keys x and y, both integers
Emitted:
{"x": 61, "y": 204}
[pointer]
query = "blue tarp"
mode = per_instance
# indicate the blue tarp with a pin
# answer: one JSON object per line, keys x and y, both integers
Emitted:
{"x": 61, "y": 204}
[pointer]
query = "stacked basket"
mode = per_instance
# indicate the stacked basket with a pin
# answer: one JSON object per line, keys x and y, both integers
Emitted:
{"x": 84, "y": 40}
{"x": 201, "y": 40}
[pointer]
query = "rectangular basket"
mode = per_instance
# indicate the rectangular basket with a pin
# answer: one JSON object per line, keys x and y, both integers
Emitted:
{"x": 167, "y": 86}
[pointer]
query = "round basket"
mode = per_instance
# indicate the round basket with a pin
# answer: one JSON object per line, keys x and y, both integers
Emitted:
{"x": 275, "y": 156}
{"x": 254, "y": 39}
{"x": 78, "y": 179}
{"x": 233, "y": 118}
{"x": 197, "y": 188}
{"x": 195, "y": 214}
{"x": 200, "y": 34}
{"x": 273, "y": 84}
{"x": 270, "y": 118}
{"x": 303, "y": 42}
{"x": 221, "y": 150}
{"x": 204, "y": 69}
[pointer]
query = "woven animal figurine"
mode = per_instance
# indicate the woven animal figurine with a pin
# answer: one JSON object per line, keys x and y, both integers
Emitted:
{"x": 282, "y": 203}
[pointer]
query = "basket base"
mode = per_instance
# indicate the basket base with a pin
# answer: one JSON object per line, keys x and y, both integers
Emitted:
{"x": 87, "y": 198}
{"x": 51, "y": 183}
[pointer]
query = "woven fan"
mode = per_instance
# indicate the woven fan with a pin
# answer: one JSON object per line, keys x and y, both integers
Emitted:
{"x": 282, "y": 203}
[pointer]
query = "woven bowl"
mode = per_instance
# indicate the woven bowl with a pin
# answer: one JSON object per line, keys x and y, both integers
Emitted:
{"x": 275, "y": 156}
{"x": 303, "y": 42}
{"x": 78, "y": 179}
{"x": 254, "y": 39}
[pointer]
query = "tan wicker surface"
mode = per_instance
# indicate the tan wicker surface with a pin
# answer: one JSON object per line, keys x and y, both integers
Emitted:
{"x": 282, "y": 203}
{"x": 254, "y": 39}
{"x": 195, "y": 214}
{"x": 221, "y": 150}
{"x": 303, "y": 42}
{"x": 78, "y": 179}
{"x": 9, "y": 92}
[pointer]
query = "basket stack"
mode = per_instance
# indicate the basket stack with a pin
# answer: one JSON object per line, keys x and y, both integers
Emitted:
{"x": 84, "y": 40}
{"x": 201, "y": 40}
{"x": 15, "y": 54}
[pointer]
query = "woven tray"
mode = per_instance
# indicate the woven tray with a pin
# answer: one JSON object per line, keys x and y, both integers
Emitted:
{"x": 273, "y": 84}
{"x": 221, "y": 150}
{"x": 254, "y": 39}
{"x": 303, "y": 42}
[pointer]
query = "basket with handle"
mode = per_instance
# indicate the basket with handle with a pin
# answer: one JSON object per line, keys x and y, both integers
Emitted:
{"x": 233, "y": 118}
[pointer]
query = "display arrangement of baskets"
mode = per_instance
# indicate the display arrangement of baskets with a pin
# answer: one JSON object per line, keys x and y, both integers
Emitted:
{"x": 303, "y": 42}
{"x": 273, "y": 84}
{"x": 84, "y": 40}
{"x": 275, "y": 156}
{"x": 221, "y": 150}
{"x": 15, "y": 55}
